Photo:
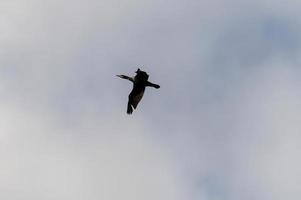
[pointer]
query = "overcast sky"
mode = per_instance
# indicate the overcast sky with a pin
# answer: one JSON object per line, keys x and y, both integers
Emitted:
{"x": 225, "y": 124}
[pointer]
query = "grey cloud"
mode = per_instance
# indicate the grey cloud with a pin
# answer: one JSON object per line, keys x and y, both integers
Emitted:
{"x": 224, "y": 124}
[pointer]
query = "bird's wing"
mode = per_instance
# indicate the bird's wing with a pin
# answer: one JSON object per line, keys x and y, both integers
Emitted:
{"x": 136, "y": 99}
{"x": 126, "y": 77}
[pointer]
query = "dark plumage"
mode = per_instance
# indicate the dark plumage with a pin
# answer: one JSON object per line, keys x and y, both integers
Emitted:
{"x": 140, "y": 81}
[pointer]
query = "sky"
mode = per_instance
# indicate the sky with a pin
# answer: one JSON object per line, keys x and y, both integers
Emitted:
{"x": 225, "y": 123}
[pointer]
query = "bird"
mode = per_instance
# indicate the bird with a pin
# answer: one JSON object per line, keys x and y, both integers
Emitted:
{"x": 140, "y": 82}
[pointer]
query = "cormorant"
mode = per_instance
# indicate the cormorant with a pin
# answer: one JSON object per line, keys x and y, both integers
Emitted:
{"x": 140, "y": 81}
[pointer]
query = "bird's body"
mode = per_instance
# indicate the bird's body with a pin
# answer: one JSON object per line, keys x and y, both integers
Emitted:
{"x": 140, "y": 81}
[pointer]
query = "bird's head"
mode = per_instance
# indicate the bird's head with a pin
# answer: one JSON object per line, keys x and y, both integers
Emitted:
{"x": 142, "y": 74}
{"x": 138, "y": 71}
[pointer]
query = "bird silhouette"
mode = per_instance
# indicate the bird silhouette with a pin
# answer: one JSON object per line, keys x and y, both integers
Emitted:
{"x": 140, "y": 81}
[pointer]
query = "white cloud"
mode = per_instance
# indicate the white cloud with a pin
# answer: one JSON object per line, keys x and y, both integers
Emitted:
{"x": 224, "y": 124}
{"x": 110, "y": 158}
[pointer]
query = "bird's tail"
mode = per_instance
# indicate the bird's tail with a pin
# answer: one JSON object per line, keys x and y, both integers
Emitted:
{"x": 130, "y": 109}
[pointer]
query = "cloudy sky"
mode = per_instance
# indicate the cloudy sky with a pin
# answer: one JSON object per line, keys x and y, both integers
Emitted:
{"x": 225, "y": 124}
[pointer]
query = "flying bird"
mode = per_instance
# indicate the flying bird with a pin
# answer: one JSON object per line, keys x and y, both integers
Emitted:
{"x": 140, "y": 81}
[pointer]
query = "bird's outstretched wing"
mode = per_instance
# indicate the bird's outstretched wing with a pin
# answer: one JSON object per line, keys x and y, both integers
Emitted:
{"x": 136, "y": 99}
{"x": 126, "y": 77}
